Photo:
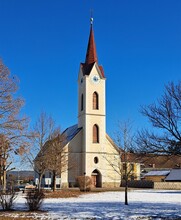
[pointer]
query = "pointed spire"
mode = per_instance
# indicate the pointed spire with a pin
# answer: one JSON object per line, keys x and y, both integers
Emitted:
{"x": 91, "y": 55}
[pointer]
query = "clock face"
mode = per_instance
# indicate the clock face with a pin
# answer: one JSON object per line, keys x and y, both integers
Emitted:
{"x": 95, "y": 79}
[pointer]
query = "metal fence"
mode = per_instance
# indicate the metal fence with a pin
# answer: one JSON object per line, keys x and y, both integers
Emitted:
{"x": 152, "y": 185}
{"x": 138, "y": 184}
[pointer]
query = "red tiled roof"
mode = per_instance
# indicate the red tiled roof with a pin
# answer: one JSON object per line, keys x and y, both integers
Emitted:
{"x": 86, "y": 69}
{"x": 102, "y": 70}
{"x": 154, "y": 161}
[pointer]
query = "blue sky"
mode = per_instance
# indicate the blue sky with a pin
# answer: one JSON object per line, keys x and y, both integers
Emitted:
{"x": 138, "y": 43}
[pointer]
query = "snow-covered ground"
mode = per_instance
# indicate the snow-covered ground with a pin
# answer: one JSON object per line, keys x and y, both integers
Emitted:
{"x": 143, "y": 204}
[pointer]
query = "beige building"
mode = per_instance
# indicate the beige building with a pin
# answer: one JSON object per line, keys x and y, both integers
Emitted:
{"x": 157, "y": 175}
{"x": 89, "y": 148}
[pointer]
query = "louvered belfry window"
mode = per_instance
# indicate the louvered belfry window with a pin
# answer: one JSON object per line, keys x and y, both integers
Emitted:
{"x": 95, "y": 134}
{"x": 95, "y": 100}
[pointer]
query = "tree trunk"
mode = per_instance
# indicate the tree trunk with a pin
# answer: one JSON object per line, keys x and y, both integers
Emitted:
{"x": 4, "y": 180}
{"x": 126, "y": 192}
{"x": 54, "y": 181}
{"x": 126, "y": 181}
{"x": 39, "y": 181}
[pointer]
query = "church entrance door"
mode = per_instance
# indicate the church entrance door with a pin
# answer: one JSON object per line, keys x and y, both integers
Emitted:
{"x": 96, "y": 178}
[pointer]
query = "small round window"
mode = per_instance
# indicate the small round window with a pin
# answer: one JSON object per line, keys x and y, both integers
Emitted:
{"x": 96, "y": 160}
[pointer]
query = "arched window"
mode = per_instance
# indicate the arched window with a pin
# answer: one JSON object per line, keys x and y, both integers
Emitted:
{"x": 95, "y": 100}
{"x": 82, "y": 102}
{"x": 95, "y": 134}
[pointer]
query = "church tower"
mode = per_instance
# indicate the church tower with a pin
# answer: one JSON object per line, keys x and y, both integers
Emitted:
{"x": 91, "y": 149}
{"x": 91, "y": 103}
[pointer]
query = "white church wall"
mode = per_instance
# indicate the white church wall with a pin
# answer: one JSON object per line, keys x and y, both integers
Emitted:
{"x": 75, "y": 158}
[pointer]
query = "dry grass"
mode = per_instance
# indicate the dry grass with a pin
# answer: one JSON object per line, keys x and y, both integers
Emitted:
{"x": 63, "y": 193}
{"x": 22, "y": 215}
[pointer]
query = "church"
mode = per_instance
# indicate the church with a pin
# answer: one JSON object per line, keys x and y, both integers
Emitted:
{"x": 93, "y": 151}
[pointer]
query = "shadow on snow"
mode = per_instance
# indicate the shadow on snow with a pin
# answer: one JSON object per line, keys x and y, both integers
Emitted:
{"x": 110, "y": 210}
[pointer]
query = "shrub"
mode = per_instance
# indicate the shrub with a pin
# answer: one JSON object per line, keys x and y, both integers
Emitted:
{"x": 7, "y": 199}
{"x": 85, "y": 183}
{"x": 34, "y": 199}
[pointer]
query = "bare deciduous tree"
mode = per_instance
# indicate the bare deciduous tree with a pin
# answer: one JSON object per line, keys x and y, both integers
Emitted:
{"x": 13, "y": 127}
{"x": 56, "y": 156}
{"x": 4, "y": 155}
{"x": 39, "y": 166}
{"x": 123, "y": 165}
{"x": 165, "y": 118}
{"x": 125, "y": 142}
{"x": 43, "y": 131}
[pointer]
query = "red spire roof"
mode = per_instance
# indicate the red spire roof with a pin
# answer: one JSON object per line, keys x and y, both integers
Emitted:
{"x": 91, "y": 55}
